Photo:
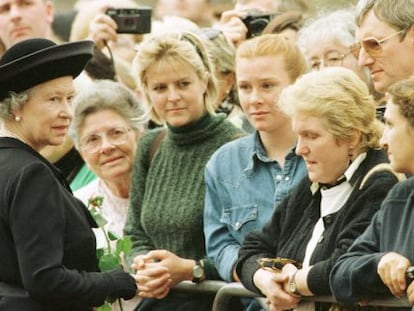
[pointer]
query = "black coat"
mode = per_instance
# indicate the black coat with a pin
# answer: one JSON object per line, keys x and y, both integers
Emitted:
{"x": 354, "y": 277}
{"x": 292, "y": 224}
{"x": 47, "y": 246}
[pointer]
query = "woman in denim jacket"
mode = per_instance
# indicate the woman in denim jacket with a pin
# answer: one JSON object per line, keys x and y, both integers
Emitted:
{"x": 247, "y": 178}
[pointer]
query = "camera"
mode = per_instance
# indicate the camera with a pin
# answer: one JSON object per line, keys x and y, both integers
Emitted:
{"x": 131, "y": 20}
{"x": 256, "y": 22}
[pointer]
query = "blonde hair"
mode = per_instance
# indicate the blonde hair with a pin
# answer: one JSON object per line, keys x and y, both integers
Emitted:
{"x": 175, "y": 47}
{"x": 272, "y": 45}
{"x": 338, "y": 97}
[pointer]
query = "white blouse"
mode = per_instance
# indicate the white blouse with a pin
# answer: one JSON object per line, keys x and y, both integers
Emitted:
{"x": 114, "y": 208}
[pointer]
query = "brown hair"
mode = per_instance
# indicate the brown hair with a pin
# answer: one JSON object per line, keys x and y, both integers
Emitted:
{"x": 402, "y": 95}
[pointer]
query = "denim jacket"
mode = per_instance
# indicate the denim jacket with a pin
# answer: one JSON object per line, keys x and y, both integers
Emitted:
{"x": 243, "y": 186}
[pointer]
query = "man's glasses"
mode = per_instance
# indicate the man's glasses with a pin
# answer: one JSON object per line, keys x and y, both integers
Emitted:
{"x": 115, "y": 136}
{"x": 330, "y": 59}
{"x": 371, "y": 45}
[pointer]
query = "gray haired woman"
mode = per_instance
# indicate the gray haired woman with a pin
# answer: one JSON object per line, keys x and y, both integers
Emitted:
{"x": 108, "y": 121}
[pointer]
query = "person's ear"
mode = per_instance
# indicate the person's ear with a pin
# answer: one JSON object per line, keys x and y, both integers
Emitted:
{"x": 356, "y": 138}
{"x": 50, "y": 11}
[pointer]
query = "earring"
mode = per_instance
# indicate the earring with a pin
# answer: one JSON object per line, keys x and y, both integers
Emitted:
{"x": 17, "y": 118}
{"x": 350, "y": 154}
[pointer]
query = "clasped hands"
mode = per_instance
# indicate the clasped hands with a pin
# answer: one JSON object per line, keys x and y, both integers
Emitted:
{"x": 274, "y": 285}
{"x": 157, "y": 271}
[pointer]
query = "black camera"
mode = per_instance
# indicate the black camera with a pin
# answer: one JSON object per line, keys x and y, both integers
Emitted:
{"x": 132, "y": 20}
{"x": 256, "y": 22}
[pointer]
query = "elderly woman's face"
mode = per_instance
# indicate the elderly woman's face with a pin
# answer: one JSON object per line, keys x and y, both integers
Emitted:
{"x": 330, "y": 53}
{"x": 326, "y": 158}
{"x": 46, "y": 116}
{"x": 176, "y": 92}
{"x": 108, "y": 144}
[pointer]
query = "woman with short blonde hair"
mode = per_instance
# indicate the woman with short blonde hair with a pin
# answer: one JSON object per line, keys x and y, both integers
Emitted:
{"x": 167, "y": 187}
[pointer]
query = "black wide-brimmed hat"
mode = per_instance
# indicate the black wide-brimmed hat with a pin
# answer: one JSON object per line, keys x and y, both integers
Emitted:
{"x": 34, "y": 61}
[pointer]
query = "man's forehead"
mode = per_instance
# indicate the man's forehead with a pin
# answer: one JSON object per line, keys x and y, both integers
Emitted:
{"x": 372, "y": 26}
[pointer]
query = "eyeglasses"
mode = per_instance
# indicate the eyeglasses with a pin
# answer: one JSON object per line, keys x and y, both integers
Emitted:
{"x": 371, "y": 45}
{"x": 330, "y": 59}
{"x": 115, "y": 136}
{"x": 276, "y": 264}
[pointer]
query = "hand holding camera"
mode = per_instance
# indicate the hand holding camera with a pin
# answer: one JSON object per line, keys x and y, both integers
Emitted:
{"x": 131, "y": 20}
{"x": 240, "y": 25}
{"x": 110, "y": 22}
{"x": 232, "y": 26}
{"x": 256, "y": 21}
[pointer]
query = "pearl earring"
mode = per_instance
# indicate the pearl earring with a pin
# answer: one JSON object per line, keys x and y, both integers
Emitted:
{"x": 17, "y": 118}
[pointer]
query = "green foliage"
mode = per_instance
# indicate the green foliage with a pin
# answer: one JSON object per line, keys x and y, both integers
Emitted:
{"x": 110, "y": 257}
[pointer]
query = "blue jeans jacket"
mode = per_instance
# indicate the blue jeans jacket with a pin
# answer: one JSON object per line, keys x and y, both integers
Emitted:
{"x": 243, "y": 186}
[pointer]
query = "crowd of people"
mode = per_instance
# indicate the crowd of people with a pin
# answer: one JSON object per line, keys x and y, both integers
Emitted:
{"x": 266, "y": 144}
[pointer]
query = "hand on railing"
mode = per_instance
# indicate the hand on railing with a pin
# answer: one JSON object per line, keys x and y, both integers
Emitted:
{"x": 392, "y": 269}
{"x": 271, "y": 284}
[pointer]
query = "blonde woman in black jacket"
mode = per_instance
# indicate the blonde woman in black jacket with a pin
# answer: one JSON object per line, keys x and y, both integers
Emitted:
{"x": 338, "y": 137}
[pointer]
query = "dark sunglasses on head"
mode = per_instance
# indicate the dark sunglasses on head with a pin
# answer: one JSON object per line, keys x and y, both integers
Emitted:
{"x": 371, "y": 45}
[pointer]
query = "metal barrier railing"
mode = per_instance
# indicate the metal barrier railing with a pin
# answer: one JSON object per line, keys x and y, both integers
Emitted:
{"x": 225, "y": 291}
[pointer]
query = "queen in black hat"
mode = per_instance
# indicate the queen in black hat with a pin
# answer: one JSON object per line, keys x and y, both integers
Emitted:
{"x": 28, "y": 70}
{"x": 48, "y": 252}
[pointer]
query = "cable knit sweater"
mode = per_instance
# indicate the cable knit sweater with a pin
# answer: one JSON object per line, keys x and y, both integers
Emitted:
{"x": 167, "y": 195}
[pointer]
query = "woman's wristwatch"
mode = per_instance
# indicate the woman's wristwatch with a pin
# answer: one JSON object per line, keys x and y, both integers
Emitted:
{"x": 198, "y": 272}
{"x": 293, "y": 288}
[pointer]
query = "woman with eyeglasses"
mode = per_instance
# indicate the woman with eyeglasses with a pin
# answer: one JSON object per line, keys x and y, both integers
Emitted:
{"x": 108, "y": 121}
{"x": 338, "y": 138}
{"x": 325, "y": 42}
{"x": 165, "y": 217}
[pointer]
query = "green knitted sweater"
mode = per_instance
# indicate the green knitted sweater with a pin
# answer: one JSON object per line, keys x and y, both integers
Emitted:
{"x": 167, "y": 195}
